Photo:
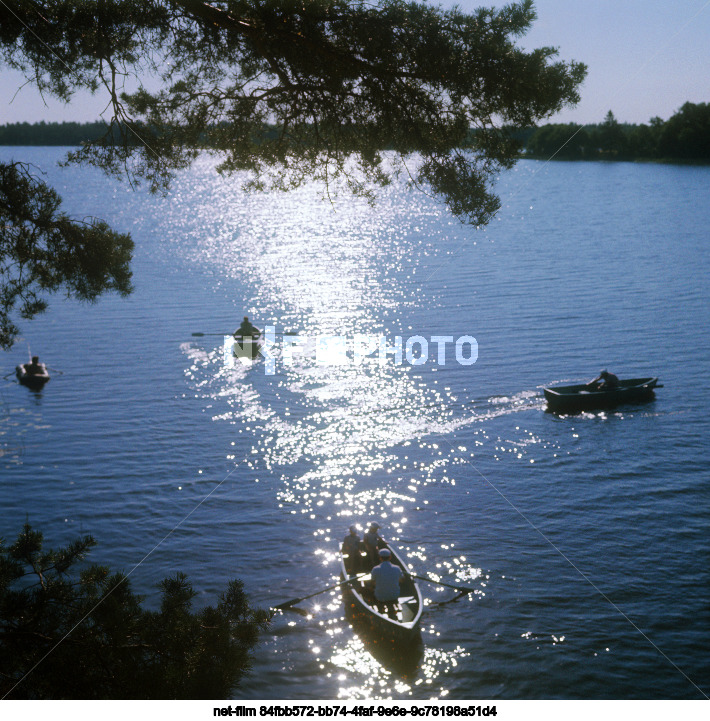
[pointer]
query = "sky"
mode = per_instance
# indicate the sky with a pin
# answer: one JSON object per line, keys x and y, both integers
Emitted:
{"x": 645, "y": 59}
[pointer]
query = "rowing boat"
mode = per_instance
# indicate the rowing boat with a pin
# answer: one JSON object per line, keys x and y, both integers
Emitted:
{"x": 247, "y": 347}
{"x": 361, "y": 608}
{"x": 574, "y": 399}
{"x": 31, "y": 380}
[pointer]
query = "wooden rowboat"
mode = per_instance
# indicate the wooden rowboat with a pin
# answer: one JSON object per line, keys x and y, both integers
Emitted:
{"x": 31, "y": 380}
{"x": 574, "y": 399}
{"x": 363, "y": 612}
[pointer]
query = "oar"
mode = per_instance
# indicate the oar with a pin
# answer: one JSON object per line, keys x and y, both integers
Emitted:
{"x": 294, "y": 601}
{"x": 221, "y": 335}
{"x": 463, "y": 589}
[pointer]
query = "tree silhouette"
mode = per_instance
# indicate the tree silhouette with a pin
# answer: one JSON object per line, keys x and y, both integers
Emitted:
{"x": 289, "y": 91}
{"x": 68, "y": 635}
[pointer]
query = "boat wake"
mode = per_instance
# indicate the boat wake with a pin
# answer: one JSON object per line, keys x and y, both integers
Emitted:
{"x": 496, "y": 406}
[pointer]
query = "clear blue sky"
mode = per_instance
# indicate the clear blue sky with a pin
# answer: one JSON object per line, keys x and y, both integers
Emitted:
{"x": 645, "y": 58}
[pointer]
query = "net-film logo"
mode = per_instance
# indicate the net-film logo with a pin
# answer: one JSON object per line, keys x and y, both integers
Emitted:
{"x": 341, "y": 350}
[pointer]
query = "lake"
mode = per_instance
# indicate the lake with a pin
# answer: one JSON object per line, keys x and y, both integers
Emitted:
{"x": 585, "y": 537}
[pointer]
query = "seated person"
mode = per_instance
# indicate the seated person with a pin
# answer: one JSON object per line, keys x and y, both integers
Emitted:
{"x": 35, "y": 368}
{"x": 351, "y": 551}
{"x": 605, "y": 381}
{"x": 386, "y": 578}
{"x": 246, "y": 329}
{"x": 373, "y": 542}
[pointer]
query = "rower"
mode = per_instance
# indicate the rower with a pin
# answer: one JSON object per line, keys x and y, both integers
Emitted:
{"x": 35, "y": 368}
{"x": 387, "y": 577}
{"x": 605, "y": 381}
{"x": 247, "y": 330}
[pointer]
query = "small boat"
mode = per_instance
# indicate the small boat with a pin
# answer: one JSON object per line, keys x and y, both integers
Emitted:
{"x": 247, "y": 347}
{"x": 31, "y": 380}
{"x": 364, "y": 614}
{"x": 574, "y": 399}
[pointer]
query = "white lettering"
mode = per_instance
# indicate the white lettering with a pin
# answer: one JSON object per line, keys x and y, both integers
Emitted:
{"x": 473, "y": 357}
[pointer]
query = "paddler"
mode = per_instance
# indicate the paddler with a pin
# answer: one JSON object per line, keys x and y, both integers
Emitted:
{"x": 247, "y": 330}
{"x": 35, "y": 368}
{"x": 605, "y": 381}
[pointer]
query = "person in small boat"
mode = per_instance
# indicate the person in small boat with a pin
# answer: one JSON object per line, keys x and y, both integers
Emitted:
{"x": 386, "y": 578}
{"x": 373, "y": 542}
{"x": 246, "y": 329}
{"x": 605, "y": 381}
{"x": 35, "y": 368}
{"x": 351, "y": 551}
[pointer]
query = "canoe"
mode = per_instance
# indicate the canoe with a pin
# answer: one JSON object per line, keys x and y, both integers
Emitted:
{"x": 574, "y": 399}
{"x": 31, "y": 380}
{"x": 247, "y": 347}
{"x": 363, "y": 613}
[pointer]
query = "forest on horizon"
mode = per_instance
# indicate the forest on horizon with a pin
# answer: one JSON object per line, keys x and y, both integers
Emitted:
{"x": 685, "y": 136}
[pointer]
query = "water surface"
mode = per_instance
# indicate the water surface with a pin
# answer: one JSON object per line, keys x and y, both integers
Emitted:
{"x": 584, "y": 537}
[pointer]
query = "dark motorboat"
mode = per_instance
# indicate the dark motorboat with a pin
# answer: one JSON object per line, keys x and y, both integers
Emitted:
{"x": 362, "y": 610}
{"x": 574, "y": 399}
{"x": 31, "y": 380}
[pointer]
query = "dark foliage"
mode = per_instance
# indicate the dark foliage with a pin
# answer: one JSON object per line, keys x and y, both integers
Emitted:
{"x": 43, "y": 250}
{"x": 685, "y": 136}
{"x": 69, "y": 635}
{"x": 290, "y": 91}
{"x": 50, "y": 133}
{"x": 340, "y": 80}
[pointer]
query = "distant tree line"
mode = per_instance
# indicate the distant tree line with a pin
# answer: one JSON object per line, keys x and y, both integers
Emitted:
{"x": 50, "y": 133}
{"x": 74, "y": 134}
{"x": 685, "y": 136}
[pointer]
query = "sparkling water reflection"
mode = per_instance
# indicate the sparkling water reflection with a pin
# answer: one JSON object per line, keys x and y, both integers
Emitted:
{"x": 335, "y": 437}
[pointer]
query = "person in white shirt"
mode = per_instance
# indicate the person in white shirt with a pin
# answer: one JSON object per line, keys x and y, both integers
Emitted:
{"x": 387, "y": 578}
